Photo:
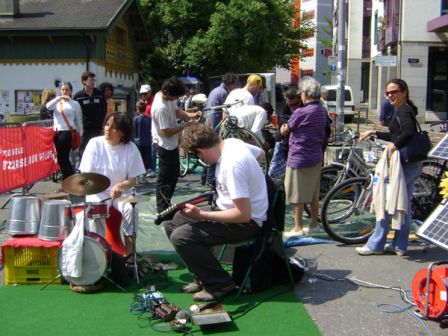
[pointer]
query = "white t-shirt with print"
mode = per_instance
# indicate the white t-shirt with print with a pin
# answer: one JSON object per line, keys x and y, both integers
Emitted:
{"x": 118, "y": 163}
{"x": 163, "y": 114}
{"x": 239, "y": 175}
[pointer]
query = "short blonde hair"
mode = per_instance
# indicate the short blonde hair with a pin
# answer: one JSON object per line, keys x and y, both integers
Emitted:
{"x": 255, "y": 79}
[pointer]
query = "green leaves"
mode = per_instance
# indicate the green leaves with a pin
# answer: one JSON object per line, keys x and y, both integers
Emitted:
{"x": 211, "y": 37}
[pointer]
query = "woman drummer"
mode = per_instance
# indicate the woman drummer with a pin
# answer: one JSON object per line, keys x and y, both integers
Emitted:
{"x": 115, "y": 156}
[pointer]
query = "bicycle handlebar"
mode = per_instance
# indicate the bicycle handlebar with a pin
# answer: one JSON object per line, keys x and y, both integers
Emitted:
{"x": 220, "y": 107}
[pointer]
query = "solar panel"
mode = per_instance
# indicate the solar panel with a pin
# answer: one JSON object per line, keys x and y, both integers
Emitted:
{"x": 435, "y": 227}
{"x": 440, "y": 150}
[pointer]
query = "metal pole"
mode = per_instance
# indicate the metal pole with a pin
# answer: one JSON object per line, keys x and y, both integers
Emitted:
{"x": 340, "y": 98}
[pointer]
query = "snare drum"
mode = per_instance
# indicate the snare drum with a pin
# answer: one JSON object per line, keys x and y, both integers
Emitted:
{"x": 96, "y": 257}
{"x": 97, "y": 210}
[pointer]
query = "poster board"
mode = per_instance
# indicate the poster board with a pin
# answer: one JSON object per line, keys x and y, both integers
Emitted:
{"x": 28, "y": 101}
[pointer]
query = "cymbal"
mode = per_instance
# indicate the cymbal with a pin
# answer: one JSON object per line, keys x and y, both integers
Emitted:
{"x": 85, "y": 184}
{"x": 133, "y": 198}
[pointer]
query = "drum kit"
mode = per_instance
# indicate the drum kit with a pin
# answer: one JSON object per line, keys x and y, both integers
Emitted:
{"x": 54, "y": 220}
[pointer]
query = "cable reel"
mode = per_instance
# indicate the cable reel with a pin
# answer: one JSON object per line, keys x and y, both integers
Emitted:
{"x": 430, "y": 290}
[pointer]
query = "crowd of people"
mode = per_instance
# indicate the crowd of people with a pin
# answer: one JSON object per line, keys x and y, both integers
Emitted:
{"x": 122, "y": 149}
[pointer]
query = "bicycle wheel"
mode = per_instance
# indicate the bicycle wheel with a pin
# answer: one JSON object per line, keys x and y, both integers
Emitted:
{"x": 184, "y": 159}
{"x": 345, "y": 212}
{"x": 426, "y": 196}
{"x": 328, "y": 177}
{"x": 250, "y": 138}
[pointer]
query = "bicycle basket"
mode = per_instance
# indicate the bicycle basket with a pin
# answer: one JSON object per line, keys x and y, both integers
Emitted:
{"x": 357, "y": 162}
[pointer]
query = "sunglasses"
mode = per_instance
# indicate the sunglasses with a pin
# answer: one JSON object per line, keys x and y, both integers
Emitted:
{"x": 393, "y": 92}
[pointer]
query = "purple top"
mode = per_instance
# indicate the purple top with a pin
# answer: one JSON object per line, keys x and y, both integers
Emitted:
{"x": 307, "y": 127}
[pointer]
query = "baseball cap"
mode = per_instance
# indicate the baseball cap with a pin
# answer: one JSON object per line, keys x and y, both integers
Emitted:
{"x": 255, "y": 79}
{"x": 145, "y": 88}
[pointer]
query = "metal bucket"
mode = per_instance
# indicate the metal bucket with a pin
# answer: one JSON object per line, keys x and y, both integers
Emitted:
{"x": 57, "y": 221}
{"x": 23, "y": 216}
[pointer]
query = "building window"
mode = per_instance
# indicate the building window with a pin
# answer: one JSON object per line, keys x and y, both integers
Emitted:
{"x": 306, "y": 72}
{"x": 120, "y": 36}
{"x": 308, "y": 52}
{"x": 309, "y": 15}
{"x": 444, "y": 9}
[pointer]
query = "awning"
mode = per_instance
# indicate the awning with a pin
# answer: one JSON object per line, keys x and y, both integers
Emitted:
{"x": 438, "y": 25}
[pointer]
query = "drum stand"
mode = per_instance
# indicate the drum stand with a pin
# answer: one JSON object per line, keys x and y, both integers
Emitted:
{"x": 104, "y": 276}
{"x": 134, "y": 239}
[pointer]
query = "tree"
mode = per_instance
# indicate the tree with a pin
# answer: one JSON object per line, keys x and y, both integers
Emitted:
{"x": 208, "y": 37}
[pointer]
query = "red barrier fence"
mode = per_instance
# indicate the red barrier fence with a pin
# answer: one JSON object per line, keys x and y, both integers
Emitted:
{"x": 27, "y": 154}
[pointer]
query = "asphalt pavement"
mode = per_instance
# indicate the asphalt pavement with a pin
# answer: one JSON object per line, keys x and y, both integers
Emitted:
{"x": 331, "y": 291}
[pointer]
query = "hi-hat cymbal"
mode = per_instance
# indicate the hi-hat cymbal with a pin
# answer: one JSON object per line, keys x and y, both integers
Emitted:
{"x": 133, "y": 198}
{"x": 85, "y": 184}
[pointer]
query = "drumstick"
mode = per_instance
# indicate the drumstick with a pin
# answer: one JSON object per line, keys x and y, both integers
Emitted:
{"x": 205, "y": 197}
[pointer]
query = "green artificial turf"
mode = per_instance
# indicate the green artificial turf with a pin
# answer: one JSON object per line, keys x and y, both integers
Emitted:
{"x": 56, "y": 310}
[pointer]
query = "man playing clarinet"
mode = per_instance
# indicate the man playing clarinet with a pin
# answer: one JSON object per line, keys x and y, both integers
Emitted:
{"x": 238, "y": 215}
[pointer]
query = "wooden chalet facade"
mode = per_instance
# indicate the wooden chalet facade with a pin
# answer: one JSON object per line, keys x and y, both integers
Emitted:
{"x": 49, "y": 41}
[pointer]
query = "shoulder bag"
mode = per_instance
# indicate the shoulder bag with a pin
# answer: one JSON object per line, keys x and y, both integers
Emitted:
{"x": 418, "y": 146}
{"x": 76, "y": 137}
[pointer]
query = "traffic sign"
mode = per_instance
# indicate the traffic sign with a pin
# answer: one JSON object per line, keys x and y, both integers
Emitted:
{"x": 386, "y": 61}
{"x": 332, "y": 60}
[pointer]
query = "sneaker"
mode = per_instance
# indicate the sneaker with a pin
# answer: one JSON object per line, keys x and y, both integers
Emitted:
{"x": 313, "y": 230}
{"x": 151, "y": 174}
{"x": 206, "y": 296}
{"x": 193, "y": 287}
{"x": 392, "y": 249}
{"x": 365, "y": 251}
{"x": 293, "y": 233}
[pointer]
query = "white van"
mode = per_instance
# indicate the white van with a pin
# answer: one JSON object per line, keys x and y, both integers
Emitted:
{"x": 349, "y": 105}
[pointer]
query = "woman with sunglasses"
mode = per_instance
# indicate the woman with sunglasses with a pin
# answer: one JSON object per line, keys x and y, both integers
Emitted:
{"x": 401, "y": 129}
{"x": 65, "y": 109}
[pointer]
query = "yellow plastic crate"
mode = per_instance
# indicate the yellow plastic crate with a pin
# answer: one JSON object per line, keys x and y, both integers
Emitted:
{"x": 31, "y": 265}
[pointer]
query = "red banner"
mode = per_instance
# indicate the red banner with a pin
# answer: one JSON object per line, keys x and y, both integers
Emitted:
{"x": 27, "y": 155}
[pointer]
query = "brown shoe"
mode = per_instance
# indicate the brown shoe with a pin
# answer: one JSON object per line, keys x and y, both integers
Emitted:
{"x": 193, "y": 287}
{"x": 205, "y": 296}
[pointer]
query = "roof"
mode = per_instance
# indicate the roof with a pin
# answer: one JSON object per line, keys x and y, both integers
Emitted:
{"x": 64, "y": 14}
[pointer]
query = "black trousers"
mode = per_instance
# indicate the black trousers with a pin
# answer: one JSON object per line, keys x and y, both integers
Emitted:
{"x": 63, "y": 144}
{"x": 169, "y": 169}
{"x": 88, "y": 134}
{"x": 194, "y": 241}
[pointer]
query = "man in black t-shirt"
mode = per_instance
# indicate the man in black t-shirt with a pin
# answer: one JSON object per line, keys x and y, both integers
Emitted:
{"x": 94, "y": 108}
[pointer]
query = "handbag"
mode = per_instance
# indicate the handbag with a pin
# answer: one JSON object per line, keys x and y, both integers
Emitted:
{"x": 277, "y": 167}
{"x": 418, "y": 146}
{"x": 76, "y": 137}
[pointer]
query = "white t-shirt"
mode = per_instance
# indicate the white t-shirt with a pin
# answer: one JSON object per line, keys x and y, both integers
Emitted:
{"x": 242, "y": 95}
{"x": 251, "y": 117}
{"x": 238, "y": 175}
{"x": 118, "y": 163}
{"x": 163, "y": 113}
{"x": 72, "y": 111}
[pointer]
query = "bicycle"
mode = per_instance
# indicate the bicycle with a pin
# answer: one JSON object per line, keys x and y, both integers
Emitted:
{"x": 351, "y": 163}
{"x": 227, "y": 128}
{"x": 345, "y": 211}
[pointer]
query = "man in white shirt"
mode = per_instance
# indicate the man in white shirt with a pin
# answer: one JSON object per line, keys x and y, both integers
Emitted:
{"x": 165, "y": 131}
{"x": 245, "y": 95}
{"x": 241, "y": 209}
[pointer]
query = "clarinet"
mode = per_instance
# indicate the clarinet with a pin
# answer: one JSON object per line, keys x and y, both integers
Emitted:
{"x": 171, "y": 210}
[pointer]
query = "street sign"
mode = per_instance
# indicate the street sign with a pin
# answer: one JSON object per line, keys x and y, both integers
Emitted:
{"x": 386, "y": 61}
{"x": 332, "y": 60}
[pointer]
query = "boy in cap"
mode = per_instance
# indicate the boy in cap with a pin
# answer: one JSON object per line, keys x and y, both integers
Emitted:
{"x": 147, "y": 98}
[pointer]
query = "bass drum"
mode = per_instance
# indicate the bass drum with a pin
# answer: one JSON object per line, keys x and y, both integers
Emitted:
{"x": 96, "y": 257}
